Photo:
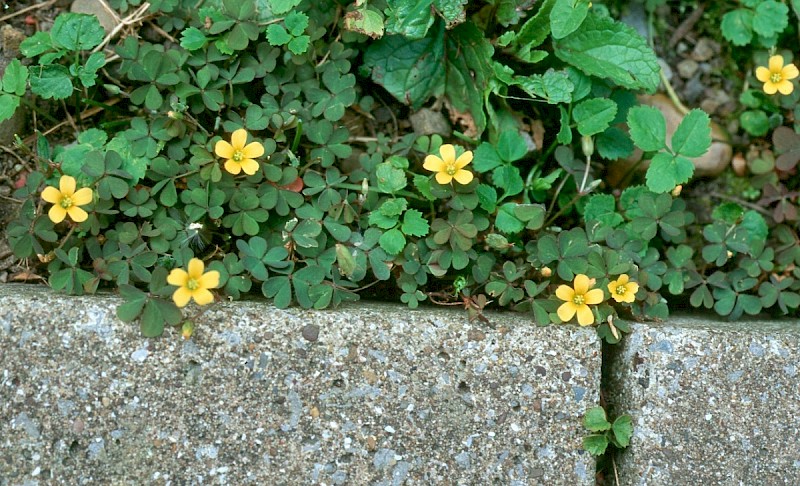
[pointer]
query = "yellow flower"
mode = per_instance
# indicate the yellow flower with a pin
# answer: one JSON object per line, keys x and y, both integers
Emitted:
{"x": 66, "y": 200}
{"x": 240, "y": 156}
{"x": 578, "y": 299}
{"x": 622, "y": 290}
{"x": 448, "y": 167}
{"x": 776, "y": 77}
{"x": 193, "y": 284}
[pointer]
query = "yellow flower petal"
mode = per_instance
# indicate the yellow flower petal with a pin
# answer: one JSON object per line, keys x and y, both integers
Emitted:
{"x": 463, "y": 177}
{"x": 566, "y": 311}
{"x": 209, "y": 280}
{"x": 433, "y": 164}
{"x": 448, "y": 153}
{"x": 223, "y": 149}
{"x": 775, "y": 64}
{"x": 196, "y": 267}
{"x": 181, "y": 296}
{"x": 585, "y": 315}
{"x": 622, "y": 279}
{"x": 770, "y": 88}
{"x": 51, "y": 195}
{"x": 789, "y": 71}
{"x": 67, "y": 185}
{"x": 82, "y": 196}
{"x": 203, "y": 297}
{"x": 443, "y": 178}
{"x": 57, "y": 213}
{"x": 250, "y": 166}
{"x": 239, "y": 139}
{"x": 762, "y": 74}
{"x": 565, "y": 293}
{"x": 464, "y": 159}
{"x": 233, "y": 167}
{"x": 253, "y": 150}
{"x": 77, "y": 214}
{"x": 593, "y": 297}
{"x": 785, "y": 87}
{"x": 633, "y": 287}
{"x": 177, "y": 277}
{"x": 581, "y": 284}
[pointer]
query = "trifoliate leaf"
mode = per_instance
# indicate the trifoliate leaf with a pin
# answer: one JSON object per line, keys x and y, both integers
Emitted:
{"x": 647, "y": 127}
{"x": 692, "y": 138}
{"x": 667, "y": 171}
{"x": 594, "y": 115}
{"x": 414, "y": 224}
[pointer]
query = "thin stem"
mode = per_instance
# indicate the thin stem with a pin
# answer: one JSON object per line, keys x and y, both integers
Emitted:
{"x": 71, "y": 230}
{"x": 357, "y": 187}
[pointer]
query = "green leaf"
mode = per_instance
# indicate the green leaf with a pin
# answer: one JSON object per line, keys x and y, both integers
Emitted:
{"x": 277, "y": 35}
{"x": 692, "y": 138}
{"x": 392, "y": 241}
{"x": 469, "y": 71}
{"x": 511, "y": 146}
{"x": 365, "y": 20}
{"x": 666, "y": 172}
{"x": 51, "y": 82}
{"x": 280, "y": 7}
{"x": 737, "y": 26}
{"x": 296, "y": 23}
{"x": 623, "y": 430}
{"x": 409, "y": 18}
{"x": 390, "y": 179}
{"x": 535, "y": 30}
{"x": 771, "y": 18}
{"x": 755, "y": 122}
{"x": 88, "y": 72}
{"x": 15, "y": 78}
{"x": 648, "y": 128}
{"x": 567, "y": 16}
{"x": 38, "y": 43}
{"x": 77, "y": 32}
{"x": 193, "y": 39}
{"x": 134, "y": 303}
{"x": 595, "y": 444}
{"x": 608, "y": 49}
{"x": 8, "y": 105}
{"x": 299, "y": 45}
{"x": 156, "y": 314}
{"x": 553, "y": 86}
{"x": 506, "y": 221}
{"x": 595, "y": 420}
{"x": 411, "y": 70}
{"x": 414, "y": 224}
{"x": 486, "y": 158}
{"x": 613, "y": 144}
{"x": 594, "y": 116}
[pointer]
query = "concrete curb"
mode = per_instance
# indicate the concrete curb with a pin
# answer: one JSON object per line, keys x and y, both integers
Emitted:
{"x": 370, "y": 394}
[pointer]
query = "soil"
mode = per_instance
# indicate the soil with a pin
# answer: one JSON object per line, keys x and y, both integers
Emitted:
{"x": 698, "y": 68}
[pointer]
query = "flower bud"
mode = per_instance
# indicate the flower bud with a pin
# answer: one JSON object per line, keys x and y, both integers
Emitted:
{"x": 677, "y": 191}
{"x": 587, "y": 146}
{"x": 546, "y": 272}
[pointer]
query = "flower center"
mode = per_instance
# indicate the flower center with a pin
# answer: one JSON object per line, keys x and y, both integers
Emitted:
{"x": 451, "y": 169}
{"x": 578, "y": 299}
{"x": 621, "y": 289}
{"x": 66, "y": 202}
{"x": 192, "y": 284}
{"x": 775, "y": 78}
{"x": 238, "y": 156}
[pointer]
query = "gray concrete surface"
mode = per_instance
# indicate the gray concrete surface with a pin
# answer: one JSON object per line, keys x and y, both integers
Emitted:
{"x": 713, "y": 403}
{"x": 371, "y": 394}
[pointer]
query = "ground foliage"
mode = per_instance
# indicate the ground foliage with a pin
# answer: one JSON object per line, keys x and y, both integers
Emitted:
{"x": 331, "y": 213}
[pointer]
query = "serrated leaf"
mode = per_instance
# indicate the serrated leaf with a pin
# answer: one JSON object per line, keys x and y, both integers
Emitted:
{"x": 280, "y": 7}
{"x": 595, "y": 420}
{"x": 595, "y": 445}
{"x": 299, "y": 45}
{"x": 666, "y": 172}
{"x": 648, "y": 128}
{"x": 414, "y": 224}
{"x": 623, "y": 430}
{"x": 737, "y": 26}
{"x": 193, "y": 39}
{"x": 771, "y": 18}
{"x": 51, "y": 82}
{"x": 8, "y": 105}
{"x": 608, "y": 49}
{"x": 392, "y": 241}
{"x": 507, "y": 221}
{"x": 567, "y": 16}
{"x": 365, "y": 20}
{"x": 277, "y": 35}
{"x": 613, "y": 144}
{"x": 692, "y": 138}
{"x": 594, "y": 116}
{"x": 411, "y": 19}
{"x": 77, "y": 32}
{"x": 553, "y": 86}
{"x": 15, "y": 78}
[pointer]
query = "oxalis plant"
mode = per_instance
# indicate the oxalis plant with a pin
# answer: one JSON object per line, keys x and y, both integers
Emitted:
{"x": 242, "y": 155}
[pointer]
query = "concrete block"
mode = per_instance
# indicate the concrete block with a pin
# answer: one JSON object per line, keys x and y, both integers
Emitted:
{"x": 713, "y": 403}
{"x": 368, "y": 394}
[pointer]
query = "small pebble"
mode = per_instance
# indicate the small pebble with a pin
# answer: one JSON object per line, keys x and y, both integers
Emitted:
{"x": 687, "y": 68}
{"x": 311, "y": 332}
